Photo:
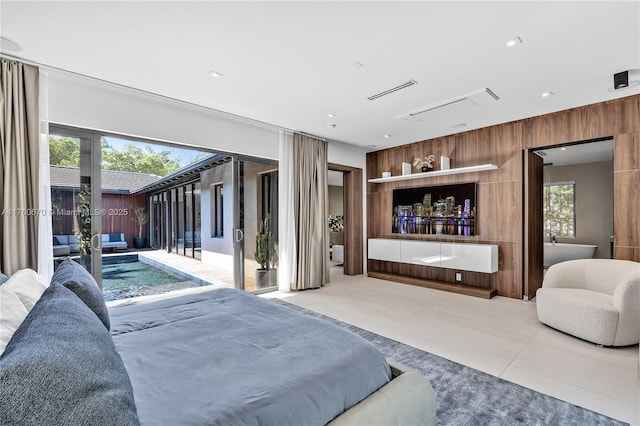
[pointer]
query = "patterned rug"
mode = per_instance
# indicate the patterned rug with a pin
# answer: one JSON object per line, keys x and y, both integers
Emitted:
{"x": 470, "y": 397}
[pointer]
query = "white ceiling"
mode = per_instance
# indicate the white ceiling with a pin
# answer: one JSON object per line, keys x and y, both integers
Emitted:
{"x": 292, "y": 63}
{"x": 591, "y": 152}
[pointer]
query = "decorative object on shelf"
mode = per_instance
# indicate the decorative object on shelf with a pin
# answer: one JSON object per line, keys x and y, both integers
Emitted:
{"x": 406, "y": 169}
{"x": 386, "y": 174}
{"x": 445, "y": 163}
{"x": 424, "y": 164}
{"x": 336, "y": 223}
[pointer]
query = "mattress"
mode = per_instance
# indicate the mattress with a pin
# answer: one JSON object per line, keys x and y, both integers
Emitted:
{"x": 227, "y": 357}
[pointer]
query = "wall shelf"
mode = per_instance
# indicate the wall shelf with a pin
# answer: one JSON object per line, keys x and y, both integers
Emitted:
{"x": 469, "y": 169}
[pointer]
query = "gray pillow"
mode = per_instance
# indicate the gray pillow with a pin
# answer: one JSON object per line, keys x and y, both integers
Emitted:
{"x": 77, "y": 279}
{"x": 61, "y": 367}
{"x": 3, "y": 278}
{"x": 114, "y": 237}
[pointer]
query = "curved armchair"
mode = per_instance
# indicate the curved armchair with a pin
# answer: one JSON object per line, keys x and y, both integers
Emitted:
{"x": 594, "y": 299}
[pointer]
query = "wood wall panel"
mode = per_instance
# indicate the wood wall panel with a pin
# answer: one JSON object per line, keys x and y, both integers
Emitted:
{"x": 501, "y": 222}
{"x": 509, "y": 270}
{"x": 627, "y": 253}
{"x": 626, "y": 195}
{"x": 500, "y": 209}
{"x": 627, "y": 152}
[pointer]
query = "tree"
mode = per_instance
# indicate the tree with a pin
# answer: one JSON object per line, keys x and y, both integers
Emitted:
{"x": 64, "y": 151}
{"x": 135, "y": 159}
{"x": 199, "y": 157}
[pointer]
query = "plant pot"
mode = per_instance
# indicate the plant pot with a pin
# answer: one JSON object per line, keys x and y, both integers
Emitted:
{"x": 266, "y": 278}
{"x": 140, "y": 242}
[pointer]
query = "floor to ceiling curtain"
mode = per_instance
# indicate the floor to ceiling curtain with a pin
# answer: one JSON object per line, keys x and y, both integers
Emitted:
{"x": 19, "y": 165}
{"x": 311, "y": 211}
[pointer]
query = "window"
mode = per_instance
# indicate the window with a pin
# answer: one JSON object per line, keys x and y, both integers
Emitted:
{"x": 217, "y": 211}
{"x": 559, "y": 209}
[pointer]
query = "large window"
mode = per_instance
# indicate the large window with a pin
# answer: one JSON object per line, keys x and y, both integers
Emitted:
{"x": 559, "y": 209}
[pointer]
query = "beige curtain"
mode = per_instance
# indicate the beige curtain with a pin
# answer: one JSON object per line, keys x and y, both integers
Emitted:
{"x": 310, "y": 205}
{"x": 19, "y": 166}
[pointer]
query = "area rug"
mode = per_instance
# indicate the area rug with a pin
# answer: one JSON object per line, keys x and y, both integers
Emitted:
{"x": 466, "y": 396}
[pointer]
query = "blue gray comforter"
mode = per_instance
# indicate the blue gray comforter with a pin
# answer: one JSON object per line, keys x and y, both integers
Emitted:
{"x": 225, "y": 357}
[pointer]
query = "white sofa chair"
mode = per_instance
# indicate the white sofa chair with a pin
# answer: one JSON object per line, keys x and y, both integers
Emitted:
{"x": 594, "y": 299}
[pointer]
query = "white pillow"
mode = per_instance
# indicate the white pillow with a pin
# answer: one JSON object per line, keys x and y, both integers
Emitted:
{"x": 12, "y": 313}
{"x": 27, "y": 286}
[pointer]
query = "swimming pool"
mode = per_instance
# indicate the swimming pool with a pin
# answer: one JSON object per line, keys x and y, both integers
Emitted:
{"x": 134, "y": 278}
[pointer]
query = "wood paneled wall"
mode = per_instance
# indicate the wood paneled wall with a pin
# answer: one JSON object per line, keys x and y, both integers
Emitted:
{"x": 500, "y": 192}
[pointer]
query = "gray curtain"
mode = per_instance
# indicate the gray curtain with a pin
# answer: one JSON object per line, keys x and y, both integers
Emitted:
{"x": 311, "y": 211}
{"x": 19, "y": 166}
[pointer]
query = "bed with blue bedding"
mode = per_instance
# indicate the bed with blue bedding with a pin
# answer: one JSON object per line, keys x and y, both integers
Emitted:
{"x": 227, "y": 357}
{"x": 219, "y": 357}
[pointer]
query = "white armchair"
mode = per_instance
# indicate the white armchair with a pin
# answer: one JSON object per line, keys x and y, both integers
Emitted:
{"x": 595, "y": 299}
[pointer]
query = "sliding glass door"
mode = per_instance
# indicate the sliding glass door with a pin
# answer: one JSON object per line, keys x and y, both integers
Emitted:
{"x": 76, "y": 199}
{"x": 255, "y": 223}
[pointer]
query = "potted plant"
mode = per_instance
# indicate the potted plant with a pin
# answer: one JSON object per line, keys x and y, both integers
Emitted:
{"x": 424, "y": 164}
{"x": 265, "y": 255}
{"x": 141, "y": 218}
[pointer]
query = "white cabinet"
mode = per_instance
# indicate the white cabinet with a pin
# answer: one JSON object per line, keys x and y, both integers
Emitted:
{"x": 463, "y": 257}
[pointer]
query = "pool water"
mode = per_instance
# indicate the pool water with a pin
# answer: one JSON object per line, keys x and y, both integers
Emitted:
{"x": 130, "y": 279}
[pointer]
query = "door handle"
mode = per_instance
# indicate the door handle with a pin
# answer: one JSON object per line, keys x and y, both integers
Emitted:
{"x": 238, "y": 235}
{"x": 95, "y": 246}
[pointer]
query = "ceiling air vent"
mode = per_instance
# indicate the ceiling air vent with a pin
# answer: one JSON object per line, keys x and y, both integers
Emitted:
{"x": 461, "y": 103}
{"x": 394, "y": 89}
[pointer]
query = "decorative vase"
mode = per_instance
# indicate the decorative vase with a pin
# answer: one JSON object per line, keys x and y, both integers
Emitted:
{"x": 426, "y": 168}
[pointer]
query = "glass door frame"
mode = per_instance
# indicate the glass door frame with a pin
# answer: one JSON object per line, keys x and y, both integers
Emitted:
{"x": 91, "y": 171}
{"x": 239, "y": 217}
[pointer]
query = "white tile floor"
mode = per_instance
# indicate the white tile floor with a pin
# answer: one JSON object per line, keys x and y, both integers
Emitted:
{"x": 500, "y": 336}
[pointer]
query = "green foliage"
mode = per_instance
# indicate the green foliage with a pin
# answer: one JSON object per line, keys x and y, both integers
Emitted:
{"x": 64, "y": 151}
{"x": 199, "y": 157}
{"x": 559, "y": 210}
{"x": 135, "y": 159}
{"x": 265, "y": 251}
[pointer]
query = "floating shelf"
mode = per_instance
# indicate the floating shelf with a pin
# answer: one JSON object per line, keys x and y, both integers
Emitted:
{"x": 469, "y": 169}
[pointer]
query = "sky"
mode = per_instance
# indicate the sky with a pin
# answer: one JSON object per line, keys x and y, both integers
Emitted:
{"x": 183, "y": 155}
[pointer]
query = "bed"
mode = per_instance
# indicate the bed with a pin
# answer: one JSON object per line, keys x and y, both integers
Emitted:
{"x": 216, "y": 357}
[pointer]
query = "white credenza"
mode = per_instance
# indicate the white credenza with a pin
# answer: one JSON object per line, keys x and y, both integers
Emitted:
{"x": 463, "y": 257}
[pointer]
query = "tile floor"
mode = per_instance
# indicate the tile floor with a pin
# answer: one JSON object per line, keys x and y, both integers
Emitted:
{"x": 500, "y": 336}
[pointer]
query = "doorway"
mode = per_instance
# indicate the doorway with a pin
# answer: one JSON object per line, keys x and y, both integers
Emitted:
{"x": 352, "y": 233}
{"x": 568, "y": 200}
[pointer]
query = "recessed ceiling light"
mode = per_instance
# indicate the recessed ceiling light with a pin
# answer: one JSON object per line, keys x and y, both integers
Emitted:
{"x": 332, "y": 125}
{"x": 9, "y": 45}
{"x": 214, "y": 74}
{"x": 331, "y": 115}
{"x": 546, "y": 94}
{"x": 387, "y": 136}
{"x": 564, "y": 148}
{"x": 513, "y": 42}
{"x": 459, "y": 125}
